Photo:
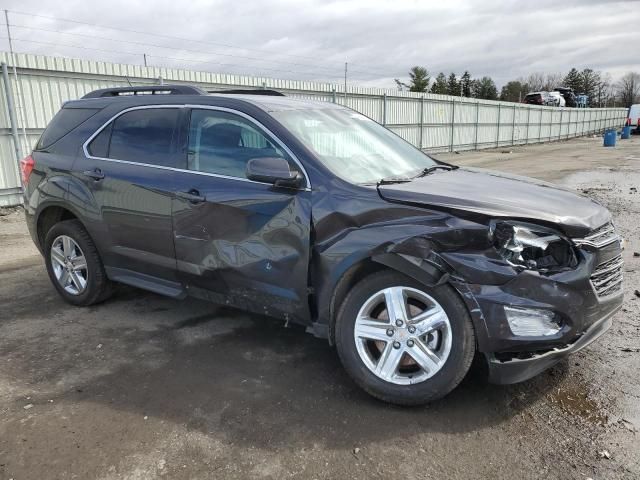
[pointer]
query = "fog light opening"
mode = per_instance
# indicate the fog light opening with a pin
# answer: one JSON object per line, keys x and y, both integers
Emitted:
{"x": 529, "y": 322}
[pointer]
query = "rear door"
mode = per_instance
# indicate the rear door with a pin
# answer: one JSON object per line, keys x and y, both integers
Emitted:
{"x": 128, "y": 169}
{"x": 239, "y": 241}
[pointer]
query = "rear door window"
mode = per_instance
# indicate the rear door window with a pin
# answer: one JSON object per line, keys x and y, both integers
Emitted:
{"x": 62, "y": 123}
{"x": 141, "y": 136}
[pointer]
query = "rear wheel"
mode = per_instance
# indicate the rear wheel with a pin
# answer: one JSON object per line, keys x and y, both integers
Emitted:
{"x": 74, "y": 265}
{"x": 404, "y": 342}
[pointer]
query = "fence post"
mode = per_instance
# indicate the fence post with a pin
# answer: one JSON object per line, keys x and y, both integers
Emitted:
{"x": 421, "y": 121}
{"x": 12, "y": 113}
{"x": 599, "y": 122}
{"x": 560, "y": 128}
{"x": 384, "y": 108}
{"x": 513, "y": 126}
{"x": 498, "y": 129}
{"x": 528, "y": 118}
{"x": 570, "y": 122}
{"x": 477, "y": 121}
{"x": 334, "y": 94}
{"x": 453, "y": 121}
{"x": 540, "y": 126}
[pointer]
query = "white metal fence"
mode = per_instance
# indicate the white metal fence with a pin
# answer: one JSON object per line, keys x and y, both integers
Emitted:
{"x": 434, "y": 123}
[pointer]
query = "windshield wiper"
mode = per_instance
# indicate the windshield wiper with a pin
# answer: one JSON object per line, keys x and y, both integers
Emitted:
{"x": 426, "y": 171}
{"x": 421, "y": 173}
{"x": 390, "y": 180}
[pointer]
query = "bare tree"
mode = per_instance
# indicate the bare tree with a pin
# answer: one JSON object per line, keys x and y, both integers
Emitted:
{"x": 542, "y": 81}
{"x": 628, "y": 88}
{"x": 604, "y": 94}
{"x": 401, "y": 85}
{"x": 552, "y": 80}
{"x": 536, "y": 81}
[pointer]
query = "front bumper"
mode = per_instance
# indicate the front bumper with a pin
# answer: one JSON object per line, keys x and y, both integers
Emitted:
{"x": 520, "y": 369}
{"x": 583, "y": 312}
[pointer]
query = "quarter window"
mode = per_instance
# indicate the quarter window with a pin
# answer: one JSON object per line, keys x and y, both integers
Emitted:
{"x": 142, "y": 136}
{"x": 65, "y": 120}
{"x": 223, "y": 143}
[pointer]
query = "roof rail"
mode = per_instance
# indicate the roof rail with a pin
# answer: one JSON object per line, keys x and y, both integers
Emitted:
{"x": 146, "y": 90}
{"x": 249, "y": 91}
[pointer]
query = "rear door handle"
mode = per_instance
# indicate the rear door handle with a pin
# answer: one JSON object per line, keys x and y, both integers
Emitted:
{"x": 192, "y": 196}
{"x": 96, "y": 174}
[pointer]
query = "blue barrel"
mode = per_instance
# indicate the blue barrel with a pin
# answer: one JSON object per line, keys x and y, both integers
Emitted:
{"x": 626, "y": 132}
{"x": 610, "y": 137}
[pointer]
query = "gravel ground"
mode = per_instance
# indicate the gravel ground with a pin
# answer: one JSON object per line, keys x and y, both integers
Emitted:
{"x": 145, "y": 386}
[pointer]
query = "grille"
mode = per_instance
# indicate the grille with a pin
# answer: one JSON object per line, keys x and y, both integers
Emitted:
{"x": 607, "y": 277}
{"x": 600, "y": 237}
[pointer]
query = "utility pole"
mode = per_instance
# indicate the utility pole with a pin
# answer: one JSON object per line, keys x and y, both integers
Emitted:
{"x": 345, "y": 82}
{"x": 15, "y": 74}
{"x": 144, "y": 55}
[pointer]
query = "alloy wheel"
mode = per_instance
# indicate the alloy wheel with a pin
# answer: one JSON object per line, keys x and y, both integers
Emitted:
{"x": 69, "y": 265}
{"x": 403, "y": 335}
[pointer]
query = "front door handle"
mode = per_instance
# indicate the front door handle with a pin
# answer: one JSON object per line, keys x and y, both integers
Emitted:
{"x": 96, "y": 174}
{"x": 192, "y": 196}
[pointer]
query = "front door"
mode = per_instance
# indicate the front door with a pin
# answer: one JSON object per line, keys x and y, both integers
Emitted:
{"x": 237, "y": 241}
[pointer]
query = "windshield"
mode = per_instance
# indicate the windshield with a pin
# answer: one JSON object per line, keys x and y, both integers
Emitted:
{"x": 353, "y": 146}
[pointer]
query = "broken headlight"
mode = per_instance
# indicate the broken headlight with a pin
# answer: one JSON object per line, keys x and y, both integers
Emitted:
{"x": 532, "y": 246}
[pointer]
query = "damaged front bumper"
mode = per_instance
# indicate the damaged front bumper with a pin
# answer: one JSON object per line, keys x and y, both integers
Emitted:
{"x": 581, "y": 303}
{"x": 517, "y": 370}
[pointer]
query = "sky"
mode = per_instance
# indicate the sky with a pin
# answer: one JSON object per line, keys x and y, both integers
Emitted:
{"x": 312, "y": 39}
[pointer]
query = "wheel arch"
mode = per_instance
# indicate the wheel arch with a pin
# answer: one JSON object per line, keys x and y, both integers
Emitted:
{"x": 48, "y": 216}
{"x": 425, "y": 273}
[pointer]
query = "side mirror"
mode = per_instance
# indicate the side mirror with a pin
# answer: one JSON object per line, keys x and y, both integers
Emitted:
{"x": 273, "y": 170}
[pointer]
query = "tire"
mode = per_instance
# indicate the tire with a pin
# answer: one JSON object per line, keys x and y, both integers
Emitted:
{"x": 89, "y": 285}
{"x": 453, "y": 344}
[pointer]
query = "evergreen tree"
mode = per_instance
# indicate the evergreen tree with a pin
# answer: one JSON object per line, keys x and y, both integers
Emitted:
{"x": 514, "y": 91}
{"x": 485, "y": 88}
{"x": 453, "y": 87}
{"x": 572, "y": 80}
{"x": 420, "y": 79}
{"x": 465, "y": 84}
{"x": 440, "y": 85}
{"x": 590, "y": 80}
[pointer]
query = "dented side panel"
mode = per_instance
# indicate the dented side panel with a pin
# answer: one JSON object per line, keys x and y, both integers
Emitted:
{"x": 247, "y": 245}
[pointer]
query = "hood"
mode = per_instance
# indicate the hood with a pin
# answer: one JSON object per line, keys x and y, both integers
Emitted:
{"x": 495, "y": 194}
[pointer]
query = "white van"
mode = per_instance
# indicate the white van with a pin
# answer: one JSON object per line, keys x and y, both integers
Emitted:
{"x": 634, "y": 115}
{"x": 558, "y": 100}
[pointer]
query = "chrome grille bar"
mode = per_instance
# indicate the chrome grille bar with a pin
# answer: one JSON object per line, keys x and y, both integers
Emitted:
{"x": 607, "y": 277}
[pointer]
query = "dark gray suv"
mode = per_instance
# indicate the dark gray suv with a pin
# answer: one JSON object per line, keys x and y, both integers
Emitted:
{"x": 315, "y": 214}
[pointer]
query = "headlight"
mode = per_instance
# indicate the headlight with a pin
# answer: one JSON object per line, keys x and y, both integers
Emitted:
{"x": 531, "y": 246}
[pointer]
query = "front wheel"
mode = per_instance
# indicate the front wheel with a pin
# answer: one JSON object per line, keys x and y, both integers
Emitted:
{"x": 404, "y": 342}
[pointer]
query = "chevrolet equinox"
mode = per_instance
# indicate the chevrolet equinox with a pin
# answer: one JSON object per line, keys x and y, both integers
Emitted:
{"x": 315, "y": 214}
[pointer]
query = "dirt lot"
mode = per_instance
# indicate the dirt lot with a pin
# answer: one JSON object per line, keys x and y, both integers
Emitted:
{"x": 144, "y": 386}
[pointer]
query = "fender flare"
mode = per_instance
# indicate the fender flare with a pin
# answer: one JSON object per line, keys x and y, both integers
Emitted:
{"x": 424, "y": 272}
{"x": 419, "y": 269}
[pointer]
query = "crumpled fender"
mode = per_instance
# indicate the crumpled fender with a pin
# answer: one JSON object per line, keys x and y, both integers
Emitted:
{"x": 413, "y": 242}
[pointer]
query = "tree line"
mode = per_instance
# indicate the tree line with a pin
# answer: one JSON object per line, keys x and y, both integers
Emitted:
{"x": 598, "y": 86}
{"x": 465, "y": 86}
